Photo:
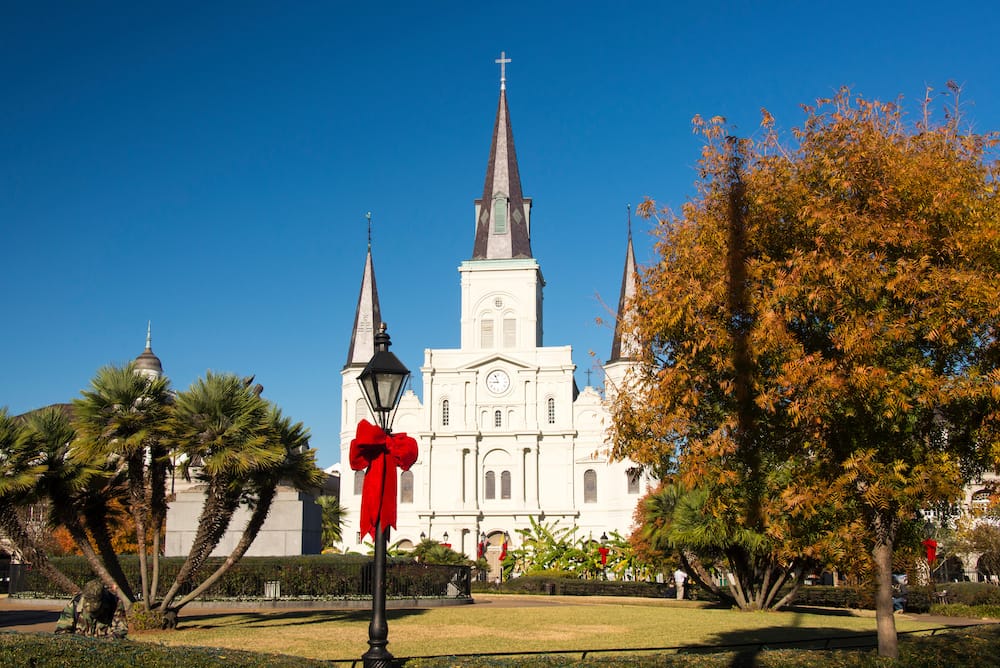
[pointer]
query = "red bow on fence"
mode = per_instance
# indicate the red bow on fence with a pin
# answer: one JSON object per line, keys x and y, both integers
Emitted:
{"x": 380, "y": 454}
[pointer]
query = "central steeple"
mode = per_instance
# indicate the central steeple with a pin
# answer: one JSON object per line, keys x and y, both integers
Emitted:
{"x": 503, "y": 226}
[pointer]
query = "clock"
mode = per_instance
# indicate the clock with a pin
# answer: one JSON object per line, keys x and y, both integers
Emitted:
{"x": 497, "y": 382}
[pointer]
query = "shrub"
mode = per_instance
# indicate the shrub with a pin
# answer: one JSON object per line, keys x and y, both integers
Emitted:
{"x": 972, "y": 593}
{"x": 311, "y": 576}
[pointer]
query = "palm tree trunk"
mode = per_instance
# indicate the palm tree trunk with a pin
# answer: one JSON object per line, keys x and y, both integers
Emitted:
{"x": 79, "y": 535}
{"x": 15, "y": 531}
{"x": 250, "y": 532}
{"x": 796, "y": 585}
{"x": 212, "y": 524}
{"x": 158, "y": 511}
{"x": 139, "y": 509}
{"x": 692, "y": 564}
{"x": 96, "y": 519}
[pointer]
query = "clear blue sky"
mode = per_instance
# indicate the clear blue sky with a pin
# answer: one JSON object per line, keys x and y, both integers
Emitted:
{"x": 208, "y": 165}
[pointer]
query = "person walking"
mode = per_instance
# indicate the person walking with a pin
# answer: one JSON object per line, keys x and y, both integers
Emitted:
{"x": 680, "y": 577}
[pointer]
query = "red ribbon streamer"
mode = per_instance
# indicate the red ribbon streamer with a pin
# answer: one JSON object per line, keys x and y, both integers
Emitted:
{"x": 380, "y": 454}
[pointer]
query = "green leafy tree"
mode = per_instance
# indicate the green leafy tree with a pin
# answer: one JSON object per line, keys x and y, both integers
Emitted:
{"x": 429, "y": 551}
{"x": 333, "y": 520}
{"x": 21, "y": 467}
{"x": 829, "y": 302}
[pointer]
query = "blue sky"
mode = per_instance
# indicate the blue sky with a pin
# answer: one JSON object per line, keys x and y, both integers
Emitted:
{"x": 208, "y": 166}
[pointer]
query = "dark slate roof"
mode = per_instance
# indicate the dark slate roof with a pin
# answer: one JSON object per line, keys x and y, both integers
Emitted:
{"x": 502, "y": 179}
{"x": 367, "y": 318}
{"x": 628, "y": 350}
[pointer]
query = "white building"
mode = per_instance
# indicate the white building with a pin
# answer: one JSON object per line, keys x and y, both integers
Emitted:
{"x": 504, "y": 433}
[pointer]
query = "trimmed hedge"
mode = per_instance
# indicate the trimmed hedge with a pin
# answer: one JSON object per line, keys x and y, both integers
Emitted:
{"x": 312, "y": 576}
{"x": 971, "y": 593}
{"x": 918, "y": 599}
{"x": 572, "y": 586}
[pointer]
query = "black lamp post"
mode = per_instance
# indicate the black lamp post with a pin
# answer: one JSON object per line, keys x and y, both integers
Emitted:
{"x": 603, "y": 551}
{"x": 382, "y": 383}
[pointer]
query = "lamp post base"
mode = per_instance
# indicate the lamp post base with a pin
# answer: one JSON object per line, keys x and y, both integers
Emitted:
{"x": 377, "y": 657}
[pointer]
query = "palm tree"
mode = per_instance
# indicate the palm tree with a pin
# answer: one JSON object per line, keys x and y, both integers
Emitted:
{"x": 333, "y": 520}
{"x": 79, "y": 492}
{"x": 120, "y": 420}
{"x": 297, "y": 468}
{"x": 21, "y": 467}
{"x": 222, "y": 428}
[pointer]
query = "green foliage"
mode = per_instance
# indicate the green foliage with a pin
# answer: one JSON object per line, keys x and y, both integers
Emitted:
{"x": 304, "y": 577}
{"x": 46, "y": 651}
{"x": 333, "y": 520}
{"x": 965, "y": 648}
{"x": 141, "y": 618}
{"x": 967, "y": 611}
{"x": 971, "y": 593}
{"x": 564, "y": 583}
{"x": 430, "y": 551}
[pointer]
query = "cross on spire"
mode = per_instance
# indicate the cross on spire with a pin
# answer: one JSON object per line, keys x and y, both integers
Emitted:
{"x": 502, "y": 61}
{"x": 369, "y": 217}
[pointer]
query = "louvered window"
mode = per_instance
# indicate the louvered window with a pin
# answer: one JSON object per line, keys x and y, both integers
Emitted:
{"x": 590, "y": 486}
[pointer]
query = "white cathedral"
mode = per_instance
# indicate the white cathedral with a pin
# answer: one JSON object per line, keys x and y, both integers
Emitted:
{"x": 504, "y": 433}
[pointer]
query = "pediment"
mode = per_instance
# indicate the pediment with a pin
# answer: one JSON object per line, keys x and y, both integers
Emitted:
{"x": 495, "y": 358}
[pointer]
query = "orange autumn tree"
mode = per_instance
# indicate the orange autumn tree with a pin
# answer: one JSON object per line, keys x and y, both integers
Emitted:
{"x": 827, "y": 307}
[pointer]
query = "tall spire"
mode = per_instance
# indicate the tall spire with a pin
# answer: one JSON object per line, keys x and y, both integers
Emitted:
{"x": 368, "y": 316}
{"x": 503, "y": 229}
{"x": 624, "y": 345}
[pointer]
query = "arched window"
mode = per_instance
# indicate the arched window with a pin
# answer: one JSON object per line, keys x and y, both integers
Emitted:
{"x": 445, "y": 413}
{"x": 360, "y": 410}
{"x": 505, "y": 485}
{"x": 509, "y": 333}
{"x": 590, "y": 486}
{"x": 490, "y": 488}
{"x": 500, "y": 215}
{"x": 359, "y": 482}
{"x": 497, "y": 419}
{"x": 406, "y": 487}
{"x": 486, "y": 333}
{"x": 634, "y": 477}
{"x": 551, "y": 407}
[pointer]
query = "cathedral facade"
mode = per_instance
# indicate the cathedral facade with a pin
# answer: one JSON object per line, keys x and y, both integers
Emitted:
{"x": 504, "y": 433}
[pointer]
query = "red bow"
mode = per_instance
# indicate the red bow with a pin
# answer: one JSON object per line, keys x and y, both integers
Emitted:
{"x": 380, "y": 454}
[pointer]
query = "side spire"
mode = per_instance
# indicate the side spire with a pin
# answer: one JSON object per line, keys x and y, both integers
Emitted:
{"x": 368, "y": 314}
{"x": 503, "y": 227}
{"x": 624, "y": 345}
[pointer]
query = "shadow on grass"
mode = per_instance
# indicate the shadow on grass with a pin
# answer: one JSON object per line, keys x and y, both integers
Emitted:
{"x": 746, "y": 645}
{"x": 290, "y": 618}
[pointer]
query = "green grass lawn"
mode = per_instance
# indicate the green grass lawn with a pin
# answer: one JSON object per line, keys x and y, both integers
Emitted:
{"x": 512, "y": 624}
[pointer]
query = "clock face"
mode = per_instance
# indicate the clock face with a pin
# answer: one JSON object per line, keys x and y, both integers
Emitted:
{"x": 497, "y": 382}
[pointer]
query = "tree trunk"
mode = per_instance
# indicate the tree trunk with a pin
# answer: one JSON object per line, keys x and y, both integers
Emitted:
{"x": 885, "y": 623}
{"x": 97, "y": 525}
{"x": 136, "y": 470}
{"x": 158, "y": 511}
{"x": 79, "y": 535}
{"x": 12, "y": 527}
{"x": 692, "y": 564}
{"x": 212, "y": 524}
{"x": 250, "y": 531}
